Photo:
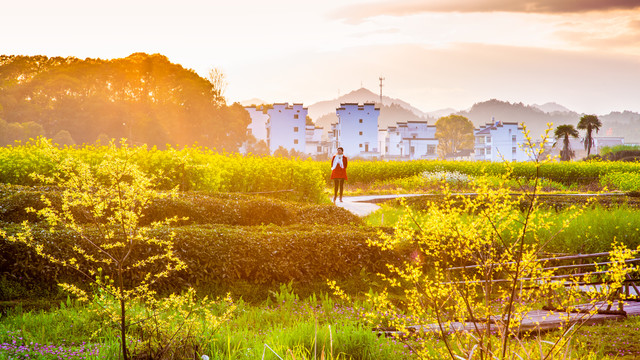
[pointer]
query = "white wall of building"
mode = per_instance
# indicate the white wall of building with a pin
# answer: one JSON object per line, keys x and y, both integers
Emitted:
{"x": 419, "y": 140}
{"x": 357, "y": 129}
{"x": 287, "y": 127}
{"x": 500, "y": 141}
{"x": 259, "y": 120}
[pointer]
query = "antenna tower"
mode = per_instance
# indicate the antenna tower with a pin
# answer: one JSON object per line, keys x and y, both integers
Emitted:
{"x": 381, "y": 79}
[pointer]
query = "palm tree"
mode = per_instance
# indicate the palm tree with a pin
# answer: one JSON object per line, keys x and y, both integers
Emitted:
{"x": 589, "y": 123}
{"x": 564, "y": 131}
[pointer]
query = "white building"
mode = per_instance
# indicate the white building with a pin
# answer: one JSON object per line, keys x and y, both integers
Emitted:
{"x": 259, "y": 120}
{"x": 410, "y": 140}
{"x": 357, "y": 130}
{"x": 499, "y": 141}
{"x": 315, "y": 146}
{"x": 418, "y": 140}
{"x": 287, "y": 127}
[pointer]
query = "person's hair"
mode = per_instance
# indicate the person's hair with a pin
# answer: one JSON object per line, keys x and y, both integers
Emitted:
{"x": 340, "y": 148}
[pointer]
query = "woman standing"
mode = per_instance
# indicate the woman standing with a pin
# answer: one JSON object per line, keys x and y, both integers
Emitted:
{"x": 338, "y": 173}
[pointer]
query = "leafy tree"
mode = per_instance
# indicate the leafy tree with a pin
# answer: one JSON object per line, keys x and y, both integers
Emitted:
{"x": 255, "y": 147}
{"x": 564, "y": 132}
{"x": 63, "y": 137}
{"x": 589, "y": 123}
{"x": 454, "y": 133}
{"x": 474, "y": 275}
{"x": 103, "y": 205}
{"x": 143, "y": 97}
{"x": 219, "y": 82}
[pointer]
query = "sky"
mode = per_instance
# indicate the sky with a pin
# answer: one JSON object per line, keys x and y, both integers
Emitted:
{"x": 434, "y": 54}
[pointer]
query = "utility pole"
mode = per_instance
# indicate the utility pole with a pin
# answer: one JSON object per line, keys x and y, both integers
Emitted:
{"x": 381, "y": 79}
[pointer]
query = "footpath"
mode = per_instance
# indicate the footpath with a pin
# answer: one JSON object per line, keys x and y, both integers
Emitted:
{"x": 365, "y": 205}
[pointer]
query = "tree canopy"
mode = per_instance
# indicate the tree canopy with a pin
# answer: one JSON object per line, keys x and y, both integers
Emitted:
{"x": 454, "y": 132}
{"x": 564, "y": 132}
{"x": 142, "y": 97}
{"x": 589, "y": 123}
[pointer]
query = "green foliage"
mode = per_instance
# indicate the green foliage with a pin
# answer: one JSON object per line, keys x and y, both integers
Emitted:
{"x": 621, "y": 180}
{"x": 190, "y": 168}
{"x": 142, "y": 97}
{"x": 192, "y": 207}
{"x": 566, "y": 173}
{"x": 455, "y": 132}
{"x": 475, "y": 265}
{"x": 606, "y": 150}
{"x": 219, "y": 254}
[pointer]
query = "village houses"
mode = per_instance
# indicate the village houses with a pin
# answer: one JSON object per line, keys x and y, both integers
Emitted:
{"x": 357, "y": 131}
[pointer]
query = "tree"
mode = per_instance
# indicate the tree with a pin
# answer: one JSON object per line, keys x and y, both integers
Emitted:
{"x": 476, "y": 272}
{"x": 563, "y": 132}
{"x": 103, "y": 204}
{"x": 143, "y": 97}
{"x": 454, "y": 133}
{"x": 62, "y": 138}
{"x": 219, "y": 82}
{"x": 589, "y": 123}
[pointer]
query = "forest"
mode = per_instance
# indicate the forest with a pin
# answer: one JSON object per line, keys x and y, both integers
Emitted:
{"x": 144, "y": 98}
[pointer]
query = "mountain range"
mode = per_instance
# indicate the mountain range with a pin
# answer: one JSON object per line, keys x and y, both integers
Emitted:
{"x": 620, "y": 124}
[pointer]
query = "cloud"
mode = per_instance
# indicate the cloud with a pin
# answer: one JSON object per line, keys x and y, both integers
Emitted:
{"x": 357, "y": 13}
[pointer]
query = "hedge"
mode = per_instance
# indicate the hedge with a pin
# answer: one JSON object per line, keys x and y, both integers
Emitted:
{"x": 222, "y": 254}
{"x": 198, "y": 207}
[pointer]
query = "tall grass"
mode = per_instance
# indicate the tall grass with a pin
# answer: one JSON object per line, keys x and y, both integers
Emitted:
{"x": 592, "y": 231}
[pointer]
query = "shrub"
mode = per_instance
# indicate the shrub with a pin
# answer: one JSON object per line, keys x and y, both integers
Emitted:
{"x": 222, "y": 254}
{"x": 198, "y": 207}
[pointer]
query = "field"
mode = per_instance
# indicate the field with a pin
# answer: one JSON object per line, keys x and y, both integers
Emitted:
{"x": 271, "y": 268}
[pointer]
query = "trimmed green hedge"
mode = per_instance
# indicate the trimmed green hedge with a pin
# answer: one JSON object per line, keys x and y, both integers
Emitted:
{"x": 199, "y": 208}
{"x": 222, "y": 254}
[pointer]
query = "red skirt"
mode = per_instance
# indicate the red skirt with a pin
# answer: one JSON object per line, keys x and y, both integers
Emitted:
{"x": 339, "y": 173}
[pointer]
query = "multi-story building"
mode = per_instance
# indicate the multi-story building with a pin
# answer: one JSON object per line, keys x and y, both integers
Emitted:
{"x": 410, "y": 140}
{"x": 315, "y": 145}
{"x": 357, "y": 130}
{"x": 259, "y": 120}
{"x": 287, "y": 127}
{"x": 418, "y": 140}
{"x": 499, "y": 141}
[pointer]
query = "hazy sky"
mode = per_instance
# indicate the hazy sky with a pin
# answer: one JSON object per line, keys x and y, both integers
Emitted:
{"x": 583, "y": 54}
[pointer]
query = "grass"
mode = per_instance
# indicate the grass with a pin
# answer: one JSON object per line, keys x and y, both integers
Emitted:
{"x": 431, "y": 183}
{"x": 284, "y": 326}
{"x": 290, "y": 327}
{"x": 593, "y": 231}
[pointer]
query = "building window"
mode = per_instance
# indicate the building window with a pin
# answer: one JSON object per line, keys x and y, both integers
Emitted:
{"x": 295, "y": 116}
{"x": 360, "y": 133}
{"x": 360, "y": 121}
{"x": 386, "y": 148}
{"x": 488, "y": 151}
{"x": 319, "y": 149}
{"x": 360, "y": 145}
{"x": 413, "y": 150}
{"x": 431, "y": 149}
{"x": 295, "y": 141}
{"x": 513, "y": 150}
{"x": 488, "y": 141}
{"x": 295, "y": 129}
{"x": 513, "y": 138}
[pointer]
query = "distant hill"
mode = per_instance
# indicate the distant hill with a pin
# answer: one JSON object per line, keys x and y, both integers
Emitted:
{"x": 625, "y": 124}
{"x": 360, "y": 96}
{"x": 254, "y": 101}
{"x": 551, "y": 107}
{"x": 535, "y": 119}
{"x": 389, "y": 116}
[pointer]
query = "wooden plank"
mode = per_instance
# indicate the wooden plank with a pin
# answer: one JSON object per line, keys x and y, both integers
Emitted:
{"x": 534, "y": 321}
